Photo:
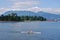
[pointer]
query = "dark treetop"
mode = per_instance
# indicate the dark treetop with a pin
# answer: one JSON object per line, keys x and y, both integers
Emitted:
{"x": 14, "y": 17}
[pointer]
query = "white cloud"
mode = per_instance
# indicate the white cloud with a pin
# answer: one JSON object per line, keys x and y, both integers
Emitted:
{"x": 12, "y": 0}
{"x": 34, "y": 9}
{"x": 29, "y": 5}
{"x": 50, "y": 10}
{"x": 20, "y": 0}
{"x": 2, "y": 10}
{"x": 25, "y": 4}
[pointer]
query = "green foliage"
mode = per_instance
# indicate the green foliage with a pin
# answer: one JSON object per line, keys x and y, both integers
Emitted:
{"x": 14, "y": 17}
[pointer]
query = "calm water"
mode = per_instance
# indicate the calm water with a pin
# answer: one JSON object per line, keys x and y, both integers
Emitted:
{"x": 11, "y": 30}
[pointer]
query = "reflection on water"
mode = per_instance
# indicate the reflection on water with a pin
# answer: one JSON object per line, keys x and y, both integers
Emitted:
{"x": 12, "y": 30}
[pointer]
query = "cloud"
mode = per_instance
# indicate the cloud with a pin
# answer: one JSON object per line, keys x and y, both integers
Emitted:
{"x": 33, "y": 9}
{"x": 21, "y": 0}
{"x": 50, "y": 10}
{"x": 25, "y": 4}
{"x": 2, "y": 10}
{"x": 29, "y": 5}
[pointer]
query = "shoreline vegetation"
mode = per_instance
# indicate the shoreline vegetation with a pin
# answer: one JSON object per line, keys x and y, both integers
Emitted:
{"x": 14, "y": 17}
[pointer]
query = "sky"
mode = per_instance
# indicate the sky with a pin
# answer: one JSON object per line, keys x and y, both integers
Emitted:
{"x": 52, "y": 6}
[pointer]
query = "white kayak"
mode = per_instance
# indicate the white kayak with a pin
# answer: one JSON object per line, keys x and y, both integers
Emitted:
{"x": 31, "y": 32}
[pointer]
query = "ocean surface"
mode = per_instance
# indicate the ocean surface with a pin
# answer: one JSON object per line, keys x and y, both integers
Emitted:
{"x": 12, "y": 30}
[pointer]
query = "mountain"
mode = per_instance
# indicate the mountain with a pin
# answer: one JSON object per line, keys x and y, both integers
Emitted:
{"x": 48, "y": 15}
{"x": 21, "y": 13}
{"x": 30, "y": 13}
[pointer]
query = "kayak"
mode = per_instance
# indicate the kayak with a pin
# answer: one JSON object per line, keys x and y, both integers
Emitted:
{"x": 30, "y": 32}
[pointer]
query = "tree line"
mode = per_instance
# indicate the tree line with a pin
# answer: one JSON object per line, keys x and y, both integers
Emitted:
{"x": 14, "y": 17}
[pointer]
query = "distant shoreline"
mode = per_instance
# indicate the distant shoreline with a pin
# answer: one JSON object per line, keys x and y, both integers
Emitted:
{"x": 18, "y": 21}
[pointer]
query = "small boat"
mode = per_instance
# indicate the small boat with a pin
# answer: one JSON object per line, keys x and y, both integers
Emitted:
{"x": 31, "y": 32}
